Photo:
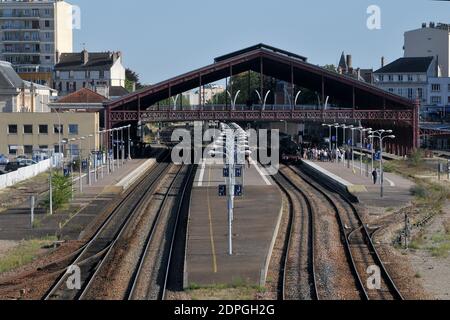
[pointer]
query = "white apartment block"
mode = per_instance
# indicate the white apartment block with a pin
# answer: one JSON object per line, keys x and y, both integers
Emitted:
{"x": 32, "y": 33}
{"x": 408, "y": 77}
{"x": 431, "y": 40}
{"x": 102, "y": 72}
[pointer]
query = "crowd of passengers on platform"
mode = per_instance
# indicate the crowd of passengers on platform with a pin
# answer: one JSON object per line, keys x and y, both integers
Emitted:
{"x": 325, "y": 154}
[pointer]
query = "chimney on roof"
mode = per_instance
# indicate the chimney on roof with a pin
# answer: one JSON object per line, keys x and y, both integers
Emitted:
{"x": 85, "y": 56}
{"x": 116, "y": 56}
{"x": 382, "y": 62}
{"x": 349, "y": 62}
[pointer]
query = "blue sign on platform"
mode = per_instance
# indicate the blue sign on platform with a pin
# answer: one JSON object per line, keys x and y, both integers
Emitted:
{"x": 222, "y": 190}
{"x": 238, "y": 191}
{"x": 238, "y": 172}
{"x": 226, "y": 172}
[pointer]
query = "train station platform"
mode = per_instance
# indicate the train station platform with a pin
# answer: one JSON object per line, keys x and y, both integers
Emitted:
{"x": 83, "y": 209}
{"x": 257, "y": 219}
{"x": 397, "y": 190}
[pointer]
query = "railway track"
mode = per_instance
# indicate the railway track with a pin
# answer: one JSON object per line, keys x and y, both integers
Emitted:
{"x": 362, "y": 253}
{"x": 95, "y": 251}
{"x": 298, "y": 281}
{"x": 151, "y": 277}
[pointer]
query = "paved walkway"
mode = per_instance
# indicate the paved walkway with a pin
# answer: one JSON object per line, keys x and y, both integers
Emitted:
{"x": 256, "y": 218}
{"x": 396, "y": 189}
{"x": 15, "y": 223}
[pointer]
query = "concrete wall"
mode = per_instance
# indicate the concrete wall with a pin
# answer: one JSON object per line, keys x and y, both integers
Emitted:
{"x": 10, "y": 179}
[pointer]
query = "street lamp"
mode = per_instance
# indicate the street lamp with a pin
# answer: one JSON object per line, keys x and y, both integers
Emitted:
{"x": 345, "y": 127}
{"x": 129, "y": 142}
{"x": 381, "y": 135}
{"x": 362, "y": 131}
{"x": 330, "y": 126}
{"x": 337, "y": 126}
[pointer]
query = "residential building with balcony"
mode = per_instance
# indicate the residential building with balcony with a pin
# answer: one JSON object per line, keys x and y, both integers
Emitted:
{"x": 32, "y": 34}
{"x": 102, "y": 72}
{"x": 408, "y": 77}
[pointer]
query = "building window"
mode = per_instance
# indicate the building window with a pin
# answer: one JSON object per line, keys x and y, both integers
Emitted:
{"x": 101, "y": 74}
{"x": 436, "y": 100}
{"x": 56, "y": 148}
{"x": 381, "y": 78}
{"x": 12, "y": 129}
{"x": 12, "y": 149}
{"x": 400, "y": 91}
{"x": 71, "y": 74}
{"x": 47, "y": 23}
{"x": 391, "y": 78}
{"x": 448, "y": 88}
{"x": 43, "y": 129}
{"x": 410, "y": 93}
{"x": 391, "y": 90}
{"x": 87, "y": 74}
{"x": 43, "y": 147}
{"x": 436, "y": 87}
{"x": 448, "y": 101}
{"x": 57, "y": 129}
{"x": 28, "y": 129}
{"x": 400, "y": 78}
{"x": 73, "y": 150}
{"x": 73, "y": 129}
{"x": 410, "y": 78}
{"x": 28, "y": 149}
{"x": 420, "y": 93}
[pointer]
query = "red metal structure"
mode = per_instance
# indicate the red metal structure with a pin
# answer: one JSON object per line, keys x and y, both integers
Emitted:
{"x": 357, "y": 100}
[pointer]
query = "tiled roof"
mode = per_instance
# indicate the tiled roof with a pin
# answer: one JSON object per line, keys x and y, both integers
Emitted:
{"x": 419, "y": 64}
{"x": 83, "y": 95}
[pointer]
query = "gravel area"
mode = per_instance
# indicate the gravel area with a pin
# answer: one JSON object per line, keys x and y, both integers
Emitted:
{"x": 116, "y": 274}
{"x": 19, "y": 194}
{"x": 335, "y": 280}
{"x": 32, "y": 281}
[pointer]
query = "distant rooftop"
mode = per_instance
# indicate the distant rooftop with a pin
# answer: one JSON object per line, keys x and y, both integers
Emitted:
{"x": 408, "y": 65}
{"x": 85, "y": 60}
{"x": 259, "y": 47}
{"x": 438, "y": 25}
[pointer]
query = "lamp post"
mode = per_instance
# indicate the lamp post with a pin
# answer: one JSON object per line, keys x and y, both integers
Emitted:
{"x": 330, "y": 126}
{"x": 382, "y": 135}
{"x": 230, "y": 153}
{"x": 362, "y": 131}
{"x": 337, "y": 126}
{"x": 345, "y": 127}
{"x": 129, "y": 142}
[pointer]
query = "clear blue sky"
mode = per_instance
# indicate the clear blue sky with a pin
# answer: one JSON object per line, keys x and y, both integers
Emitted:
{"x": 163, "y": 38}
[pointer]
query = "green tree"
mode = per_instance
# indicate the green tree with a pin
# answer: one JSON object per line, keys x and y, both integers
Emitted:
{"x": 62, "y": 191}
{"x": 132, "y": 78}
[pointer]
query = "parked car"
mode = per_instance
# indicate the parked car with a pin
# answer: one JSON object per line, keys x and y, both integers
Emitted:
{"x": 16, "y": 165}
{"x": 26, "y": 162}
{"x": 3, "y": 159}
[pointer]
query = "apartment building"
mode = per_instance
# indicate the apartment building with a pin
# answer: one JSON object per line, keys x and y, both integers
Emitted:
{"x": 433, "y": 40}
{"x": 32, "y": 34}
{"x": 408, "y": 77}
{"x": 102, "y": 72}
